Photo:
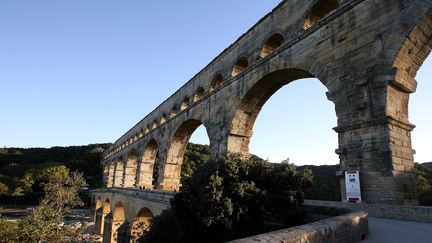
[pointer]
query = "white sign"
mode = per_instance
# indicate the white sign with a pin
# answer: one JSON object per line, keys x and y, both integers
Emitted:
{"x": 352, "y": 185}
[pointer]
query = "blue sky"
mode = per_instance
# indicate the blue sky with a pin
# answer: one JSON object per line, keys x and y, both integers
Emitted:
{"x": 80, "y": 72}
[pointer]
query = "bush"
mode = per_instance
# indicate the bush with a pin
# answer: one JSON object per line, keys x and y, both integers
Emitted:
{"x": 232, "y": 198}
{"x": 424, "y": 184}
{"x": 44, "y": 223}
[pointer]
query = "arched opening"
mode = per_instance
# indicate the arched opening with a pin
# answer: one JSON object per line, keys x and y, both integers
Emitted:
{"x": 111, "y": 173}
{"x": 185, "y": 104}
{"x": 106, "y": 175}
{"x": 147, "y": 129}
{"x": 100, "y": 217}
{"x": 163, "y": 119}
{"x": 240, "y": 66}
{"x": 141, "y": 224}
{"x": 251, "y": 105}
{"x": 118, "y": 226}
{"x": 172, "y": 169}
{"x": 118, "y": 174}
{"x": 173, "y": 112}
{"x": 97, "y": 206}
{"x": 148, "y": 165}
{"x": 321, "y": 9}
{"x": 216, "y": 82}
{"x": 131, "y": 170}
{"x": 421, "y": 101}
{"x": 273, "y": 43}
{"x": 141, "y": 134}
{"x": 290, "y": 118}
{"x": 199, "y": 94}
{"x": 154, "y": 124}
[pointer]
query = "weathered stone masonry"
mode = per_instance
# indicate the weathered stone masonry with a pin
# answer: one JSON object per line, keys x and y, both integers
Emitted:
{"x": 365, "y": 52}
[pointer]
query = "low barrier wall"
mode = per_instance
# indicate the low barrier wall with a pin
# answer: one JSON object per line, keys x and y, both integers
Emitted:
{"x": 351, "y": 227}
{"x": 158, "y": 196}
{"x": 411, "y": 213}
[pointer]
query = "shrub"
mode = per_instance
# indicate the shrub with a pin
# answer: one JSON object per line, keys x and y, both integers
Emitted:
{"x": 232, "y": 198}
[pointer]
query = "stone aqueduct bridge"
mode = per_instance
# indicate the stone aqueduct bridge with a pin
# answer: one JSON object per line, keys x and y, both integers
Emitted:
{"x": 365, "y": 52}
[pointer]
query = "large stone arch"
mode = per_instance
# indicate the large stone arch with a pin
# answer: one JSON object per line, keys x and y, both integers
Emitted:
{"x": 101, "y": 215}
{"x": 130, "y": 169}
{"x": 111, "y": 172}
{"x": 118, "y": 173}
{"x": 398, "y": 79}
{"x": 366, "y": 53}
{"x": 376, "y": 139}
{"x": 141, "y": 223}
{"x": 247, "y": 110}
{"x": 115, "y": 229}
{"x": 97, "y": 206}
{"x": 105, "y": 178}
{"x": 147, "y": 165}
{"x": 169, "y": 176}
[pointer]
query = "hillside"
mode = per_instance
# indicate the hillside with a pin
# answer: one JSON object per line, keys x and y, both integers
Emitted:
{"x": 427, "y": 165}
{"x": 326, "y": 185}
{"x": 19, "y": 167}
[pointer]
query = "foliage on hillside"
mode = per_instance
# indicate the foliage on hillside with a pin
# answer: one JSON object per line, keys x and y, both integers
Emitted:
{"x": 22, "y": 170}
{"x": 424, "y": 183}
{"x": 195, "y": 156}
{"x": 231, "y": 198}
{"x": 427, "y": 165}
{"x": 44, "y": 222}
{"x": 326, "y": 185}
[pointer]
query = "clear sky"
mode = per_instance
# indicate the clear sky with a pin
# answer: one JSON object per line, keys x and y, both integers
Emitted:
{"x": 80, "y": 72}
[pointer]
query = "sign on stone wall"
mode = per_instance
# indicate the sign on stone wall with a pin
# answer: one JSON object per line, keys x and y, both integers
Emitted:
{"x": 352, "y": 185}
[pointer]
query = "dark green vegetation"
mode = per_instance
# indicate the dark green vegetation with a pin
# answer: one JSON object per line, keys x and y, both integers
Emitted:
{"x": 232, "y": 198}
{"x": 326, "y": 185}
{"x": 424, "y": 183}
{"x": 195, "y": 156}
{"x": 23, "y": 170}
{"x": 44, "y": 222}
{"x": 427, "y": 165}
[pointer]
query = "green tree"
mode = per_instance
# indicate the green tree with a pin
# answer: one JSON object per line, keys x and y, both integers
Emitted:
{"x": 424, "y": 184}
{"x": 44, "y": 223}
{"x": 231, "y": 198}
{"x": 4, "y": 189}
{"x": 27, "y": 182}
{"x": 8, "y": 231}
{"x": 195, "y": 156}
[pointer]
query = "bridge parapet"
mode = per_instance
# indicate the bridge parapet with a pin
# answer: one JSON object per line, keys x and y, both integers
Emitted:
{"x": 159, "y": 196}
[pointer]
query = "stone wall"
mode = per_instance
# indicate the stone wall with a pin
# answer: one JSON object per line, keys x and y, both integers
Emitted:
{"x": 411, "y": 213}
{"x": 365, "y": 52}
{"x": 351, "y": 227}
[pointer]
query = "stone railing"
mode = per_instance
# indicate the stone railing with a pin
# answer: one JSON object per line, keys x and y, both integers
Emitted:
{"x": 351, "y": 227}
{"x": 159, "y": 196}
{"x": 411, "y": 213}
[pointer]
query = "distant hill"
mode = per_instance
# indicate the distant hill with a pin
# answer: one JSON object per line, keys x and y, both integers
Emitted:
{"x": 424, "y": 183}
{"x": 326, "y": 185}
{"x": 427, "y": 165}
{"x": 17, "y": 162}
